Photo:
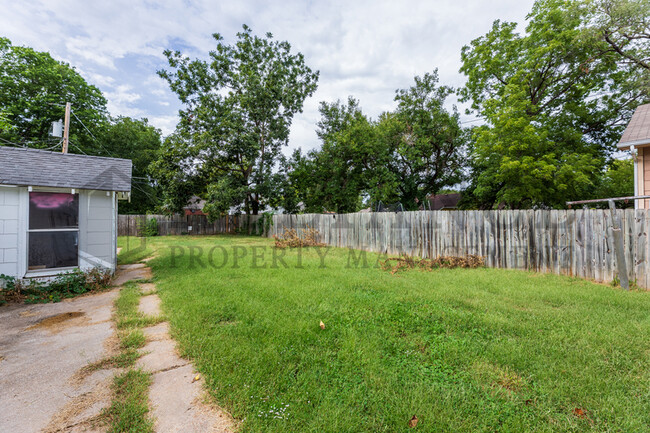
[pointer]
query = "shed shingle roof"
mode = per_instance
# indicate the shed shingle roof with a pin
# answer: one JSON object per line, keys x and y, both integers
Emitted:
{"x": 638, "y": 130}
{"x": 32, "y": 167}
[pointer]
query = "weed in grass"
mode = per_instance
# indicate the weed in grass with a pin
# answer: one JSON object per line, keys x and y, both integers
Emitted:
{"x": 129, "y": 410}
{"x": 127, "y": 315}
{"x": 139, "y": 320}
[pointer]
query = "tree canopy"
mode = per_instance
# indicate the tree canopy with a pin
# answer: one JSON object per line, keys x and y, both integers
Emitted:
{"x": 140, "y": 142}
{"x": 403, "y": 156}
{"x": 238, "y": 109}
{"x": 34, "y": 89}
{"x": 555, "y": 101}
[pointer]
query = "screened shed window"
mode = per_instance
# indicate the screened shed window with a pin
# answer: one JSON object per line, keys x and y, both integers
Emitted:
{"x": 53, "y": 230}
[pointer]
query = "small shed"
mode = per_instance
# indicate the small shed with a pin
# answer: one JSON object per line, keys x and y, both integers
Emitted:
{"x": 636, "y": 138}
{"x": 58, "y": 211}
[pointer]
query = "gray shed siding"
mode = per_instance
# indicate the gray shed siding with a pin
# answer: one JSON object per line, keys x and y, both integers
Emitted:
{"x": 97, "y": 229}
{"x": 9, "y": 224}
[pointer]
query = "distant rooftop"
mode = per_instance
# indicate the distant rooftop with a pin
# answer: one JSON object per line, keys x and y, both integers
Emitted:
{"x": 33, "y": 167}
{"x": 444, "y": 201}
{"x": 637, "y": 132}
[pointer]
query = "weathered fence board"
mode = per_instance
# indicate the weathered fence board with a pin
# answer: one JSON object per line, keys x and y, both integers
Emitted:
{"x": 567, "y": 242}
{"x": 133, "y": 225}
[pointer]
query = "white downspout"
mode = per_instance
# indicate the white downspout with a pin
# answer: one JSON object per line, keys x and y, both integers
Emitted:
{"x": 114, "y": 231}
{"x": 636, "y": 178}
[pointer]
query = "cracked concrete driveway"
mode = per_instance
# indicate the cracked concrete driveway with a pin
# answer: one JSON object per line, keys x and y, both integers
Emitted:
{"x": 41, "y": 349}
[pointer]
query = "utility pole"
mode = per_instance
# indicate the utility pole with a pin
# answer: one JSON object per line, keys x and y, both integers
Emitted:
{"x": 66, "y": 127}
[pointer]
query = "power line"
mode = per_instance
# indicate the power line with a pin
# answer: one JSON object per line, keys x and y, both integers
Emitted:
{"x": 55, "y": 146}
{"x": 77, "y": 147}
{"x": 144, "y": 192}
{"x": 92, "y": 135}
{"x": 82, "y": 124}
{"x": 12, "y": 143}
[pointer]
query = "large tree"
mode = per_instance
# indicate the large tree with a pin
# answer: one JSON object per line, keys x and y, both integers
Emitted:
{"x": 625, "y": 26}
{"x": 137, "y": 140}
{"x": 34, "y": 88}
{"x": 352, "y": 161}
{"x": 426, "y": 140}
{"x": 238, "y": 109}
{"x": 404, "y": 156}
{"x": 555, "y": 102}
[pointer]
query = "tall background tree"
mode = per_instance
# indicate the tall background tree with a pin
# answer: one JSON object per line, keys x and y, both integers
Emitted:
{"x": 238, "y": 109}
{"x": 140, "y": 142}
{"x": 404, "y": 156}
{"x": 555, "y": 101}
{"x": 625, "y": 26}
{"x": 427, "y": 142}
{"x": 34, "y": 89}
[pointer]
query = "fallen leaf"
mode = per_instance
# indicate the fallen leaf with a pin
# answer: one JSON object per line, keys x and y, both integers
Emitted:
{"x": 197, "y": 377}
{"x": 413, "y": 421}
{"x": 322, "y": 325}
{"x": 579, "y": 413}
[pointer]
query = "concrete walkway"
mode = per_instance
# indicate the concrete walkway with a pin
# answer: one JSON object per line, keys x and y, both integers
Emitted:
{"x": 42, "y": 348}
{"x": 176, "y": 395}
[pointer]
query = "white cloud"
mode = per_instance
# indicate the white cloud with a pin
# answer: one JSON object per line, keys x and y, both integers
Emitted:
{"x": 364, "y": 48}
{"x": 166, "y": 124}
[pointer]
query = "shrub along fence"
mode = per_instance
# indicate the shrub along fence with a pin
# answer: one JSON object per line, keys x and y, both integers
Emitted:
{"x": 568, "y": 242}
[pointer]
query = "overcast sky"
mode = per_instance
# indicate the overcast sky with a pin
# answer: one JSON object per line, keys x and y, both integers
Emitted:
{"x": 366, "y": 49}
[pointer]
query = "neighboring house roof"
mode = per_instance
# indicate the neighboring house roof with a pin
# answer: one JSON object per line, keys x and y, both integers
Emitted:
{"x": 637, "y": 132}
{"x": 33, "y": 167}
{"x": 195, "y": 203}
{"x": 444, "y": 201}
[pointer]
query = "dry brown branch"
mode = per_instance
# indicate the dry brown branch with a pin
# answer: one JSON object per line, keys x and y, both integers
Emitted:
{"x": 308, "y": 237}
{"x": 396, "y": 264}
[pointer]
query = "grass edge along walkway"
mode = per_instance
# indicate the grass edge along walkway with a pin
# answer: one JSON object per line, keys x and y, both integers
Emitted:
{"x": 463, "y": 350}
{"x": 130, "y": 410}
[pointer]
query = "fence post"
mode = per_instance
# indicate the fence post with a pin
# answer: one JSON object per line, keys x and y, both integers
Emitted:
{"x": 621, "y": 266}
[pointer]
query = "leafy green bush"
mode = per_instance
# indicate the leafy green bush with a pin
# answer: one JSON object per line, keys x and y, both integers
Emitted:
{"x": 147, "y": 227}
{"x": 66, "y": 285}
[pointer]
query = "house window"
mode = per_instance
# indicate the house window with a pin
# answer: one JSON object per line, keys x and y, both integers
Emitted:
{"x": 53, "y": 230}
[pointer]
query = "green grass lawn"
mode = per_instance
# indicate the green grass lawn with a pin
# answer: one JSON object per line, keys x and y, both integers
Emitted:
{"x": 464, "y": 350}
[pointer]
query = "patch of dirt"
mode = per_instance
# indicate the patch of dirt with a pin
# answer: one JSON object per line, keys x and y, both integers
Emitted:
{"x": 205, "y": 404}
{"x": 28, "y": 313}
{"x": 147, "y": 289}
{"x": 111, "y": 348}
{"x": 83, "y": 410}
{"x": 59, "y": 322}
{"x": 148, "y": 259}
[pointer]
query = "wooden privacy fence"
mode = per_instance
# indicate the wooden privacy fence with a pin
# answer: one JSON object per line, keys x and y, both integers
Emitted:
{"x": 132, "y": 225}
{"x": 567, "y": 242}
